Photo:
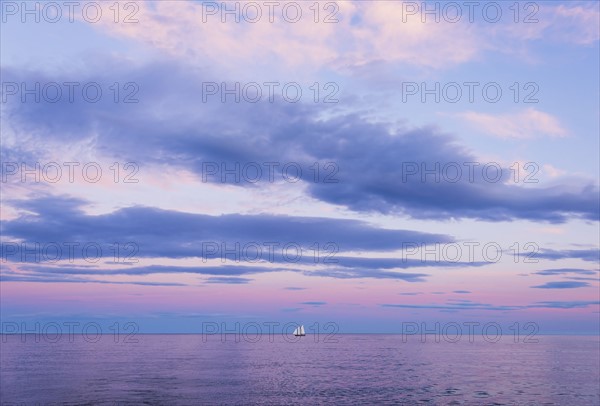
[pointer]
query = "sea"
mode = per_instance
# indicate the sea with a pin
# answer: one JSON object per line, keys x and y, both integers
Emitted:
{"x": 350, "y": 369}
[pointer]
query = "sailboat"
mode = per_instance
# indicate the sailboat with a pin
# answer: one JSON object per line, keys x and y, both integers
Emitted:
{"x": 299, "y": 331}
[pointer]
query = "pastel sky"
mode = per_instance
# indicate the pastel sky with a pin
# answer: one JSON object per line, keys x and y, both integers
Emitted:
{"x": 400, "y": 186}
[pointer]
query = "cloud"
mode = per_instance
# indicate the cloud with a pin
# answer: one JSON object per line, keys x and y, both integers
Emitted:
{"x": 227, "y": 280}
{"x": 579, "y": 278}
{"x": 462, "y": 291}
{"x": 294, "y": 288}
{"x": 575, "y": 23}
{"x": 377, "y": 167}
{"x": 370, "y": 273}
{"x": 40, "y": 278}
{"x": 220, "y": 271}
{"x": 265, "y": 237}
{"x": 530, "y": 123}
{"x": 562, "y": 285}
{"x": 403, "y": 263}
{"x": 579, "y": 24}
{"x": 360, "y": 33}
{"x": 485, "y": 306}
{"x": 454, "y": 306}
{"x": 314, "y": 303}
{"x": 566, "y": 271}
{"x": 576, "y": 304}
{"x": 592, "y": 255}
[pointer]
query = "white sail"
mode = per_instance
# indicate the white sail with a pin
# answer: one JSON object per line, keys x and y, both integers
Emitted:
{"x": 299, "y": 331}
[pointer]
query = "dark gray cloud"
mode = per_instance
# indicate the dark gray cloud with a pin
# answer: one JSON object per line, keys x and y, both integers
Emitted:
{"x": 41, "y": 278}
{"x": 228, "y": 280}
{"x": 389, "y": 263}
{"x": 575, "y": 304}
{"x": 369, "y": 273}
{"x": 468, "y": 305}
{"x": 219, "y": 271}
{"x": 314, "y": 303}
{"x": 375, "y": 161}
{"x": 567, "y": 271}
{"x": 591, "y": 254}
{"x": 163, "y": 233}
{"x": 562, "y": 285}
{"x": 454, "y": 306}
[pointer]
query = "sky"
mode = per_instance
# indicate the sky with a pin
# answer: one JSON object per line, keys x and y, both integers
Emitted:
{"x": 362, "y": 165}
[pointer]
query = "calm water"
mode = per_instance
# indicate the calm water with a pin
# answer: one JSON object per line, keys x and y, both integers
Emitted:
{"x": 358, "y": 369}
